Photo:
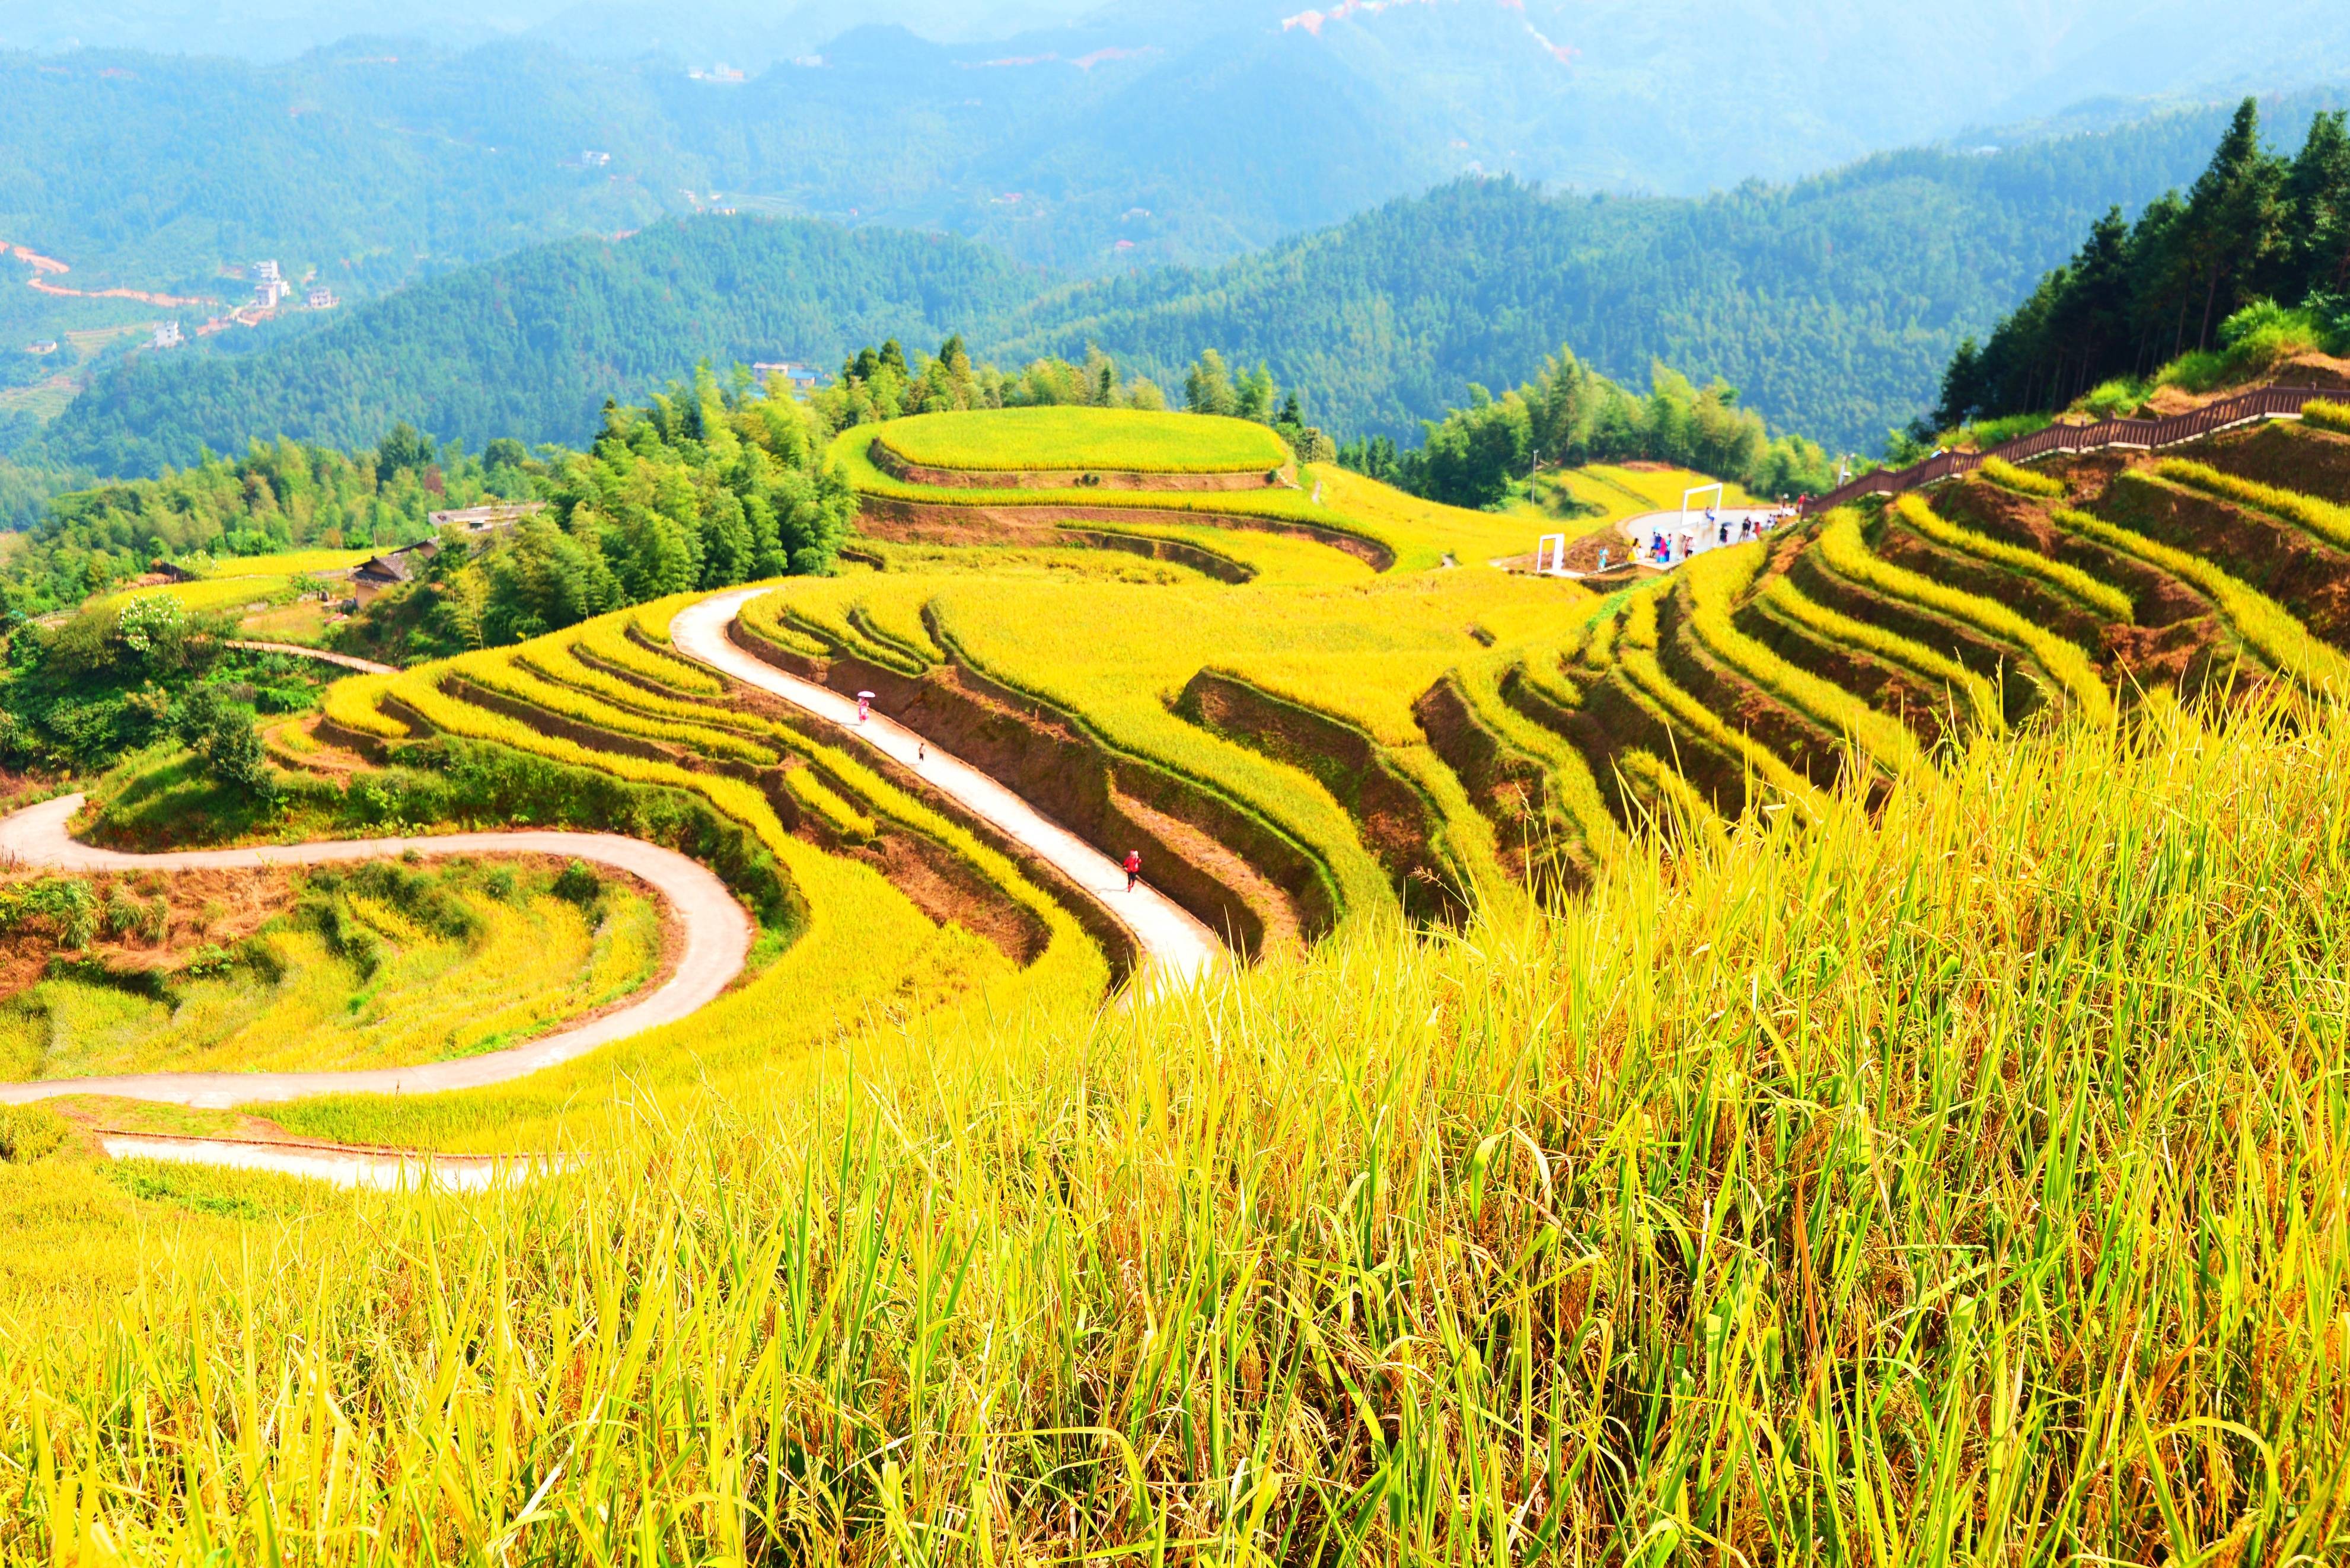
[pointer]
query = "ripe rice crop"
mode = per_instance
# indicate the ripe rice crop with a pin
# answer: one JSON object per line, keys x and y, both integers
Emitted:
{"x": 2103, "y": 599}
{"x": 1059, "y": 438}
{"x": 1692, "y": 717}
{"x": 211, "y": 593}
{"x": 1117, "y": 654}
{"x": 352, "y": 703}
{"x": 1841, "y": 545}
{"x": 607, "y": 640}
{"x": 1716, "y": 581}
{"x": 2327, "y": 415}
{"x": 1837, "y": 627}
{"x": 2325, "y": 519}
{"x": 383, "y": 990}
{"x": 1809, "y": 1143}
{"x": 1422, "y": 532}
{"x": 1274, "y": 504}
{"x": 2266, "y": 627}
{"x": 503, "y": 671}
{"x": 2023, "y": 481}
{"x": 286, "y": 563}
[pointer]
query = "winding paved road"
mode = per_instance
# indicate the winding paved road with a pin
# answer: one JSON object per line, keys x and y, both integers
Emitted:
{"x": 717, "y": 941}
{"x": 1177, "y": 949}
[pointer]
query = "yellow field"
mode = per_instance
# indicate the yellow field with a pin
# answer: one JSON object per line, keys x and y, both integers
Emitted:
{"x": 531, "y": 962}
{"x": 1125, "y": 440}
{"x": 287, "y": 563}
{"x": 1940, "y": 1158}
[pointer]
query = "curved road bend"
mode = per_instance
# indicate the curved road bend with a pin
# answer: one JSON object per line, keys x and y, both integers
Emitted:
{"x": 1177, "y": 948}
{"x": 717, "y": 941}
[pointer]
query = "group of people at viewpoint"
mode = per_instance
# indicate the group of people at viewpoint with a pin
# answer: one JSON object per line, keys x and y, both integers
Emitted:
{"x": 1722, "y": 531}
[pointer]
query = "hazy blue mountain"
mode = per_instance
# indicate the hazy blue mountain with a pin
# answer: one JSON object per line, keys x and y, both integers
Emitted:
{"x": 1832, "y": 304}
{"x": 532, "y": 345}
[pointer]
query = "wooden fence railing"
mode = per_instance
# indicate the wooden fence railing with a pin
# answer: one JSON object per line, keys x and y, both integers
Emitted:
{"x": 2142, "y": 435}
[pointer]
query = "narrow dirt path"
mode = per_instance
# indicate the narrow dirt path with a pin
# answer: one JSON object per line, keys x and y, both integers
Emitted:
{"x": 324, "y": 656}
{"x": 717, "y": 941}
{"x": 1177, "y": 948}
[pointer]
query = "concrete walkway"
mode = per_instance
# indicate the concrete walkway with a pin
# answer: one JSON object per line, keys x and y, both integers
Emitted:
{"x": 717, "y": 941}
{"x": 1641, "y": 531}
{"x": 1177, "y": 949}
{"x": 324, "y": 656}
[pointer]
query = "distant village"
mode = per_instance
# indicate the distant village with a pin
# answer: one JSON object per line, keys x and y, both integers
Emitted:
{"x": 271, "y": 292}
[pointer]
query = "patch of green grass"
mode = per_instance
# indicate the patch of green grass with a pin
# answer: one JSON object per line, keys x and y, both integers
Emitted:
{"x": 1062, "y": 439}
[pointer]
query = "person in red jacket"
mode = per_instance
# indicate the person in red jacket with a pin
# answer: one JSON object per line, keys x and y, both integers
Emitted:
{"x": 1133, "y": 868}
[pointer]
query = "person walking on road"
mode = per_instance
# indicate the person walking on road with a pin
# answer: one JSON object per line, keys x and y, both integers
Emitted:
{"x": 1133, "y": 869}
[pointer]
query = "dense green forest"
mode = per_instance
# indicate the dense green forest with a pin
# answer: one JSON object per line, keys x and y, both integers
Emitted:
{"x": 708, "y": 486}
{"x": 532, "y": 345}
{"x": 1832, "y": 304}
{"x": 2208, "y": 277}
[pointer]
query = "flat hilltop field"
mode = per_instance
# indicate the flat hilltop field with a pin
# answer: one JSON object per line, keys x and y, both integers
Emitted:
{"x": 1125, "y": 440}
{"x": 1834, "y": 1052}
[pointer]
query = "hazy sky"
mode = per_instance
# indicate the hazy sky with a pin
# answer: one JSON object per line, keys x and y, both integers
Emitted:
{"x": 277, "y": 29}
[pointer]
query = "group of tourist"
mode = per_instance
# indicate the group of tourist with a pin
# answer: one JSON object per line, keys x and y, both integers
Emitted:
{"x": 1665, "y": 549}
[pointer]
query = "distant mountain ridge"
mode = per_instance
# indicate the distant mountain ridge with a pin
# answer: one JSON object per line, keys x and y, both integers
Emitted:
{"x": 1832, "y": 304}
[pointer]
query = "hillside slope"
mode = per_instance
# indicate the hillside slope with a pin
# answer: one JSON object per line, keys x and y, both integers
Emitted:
{"x": 1831, "y": 303}
{"x": 533, "y": 345}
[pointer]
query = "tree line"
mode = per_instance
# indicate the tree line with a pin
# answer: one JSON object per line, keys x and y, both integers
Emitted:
{"x": 2258, "y": 235}
{"x": 881, "y": 383}
{"x": 1570, "y": 415}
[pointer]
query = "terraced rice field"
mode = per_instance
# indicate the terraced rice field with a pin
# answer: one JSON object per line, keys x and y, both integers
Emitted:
{"x": 378, "y": 967}
{"x": 1834, "y": 1054}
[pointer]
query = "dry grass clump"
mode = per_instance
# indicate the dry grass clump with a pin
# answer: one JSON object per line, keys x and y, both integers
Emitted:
{"x": 1964, "y": 1186}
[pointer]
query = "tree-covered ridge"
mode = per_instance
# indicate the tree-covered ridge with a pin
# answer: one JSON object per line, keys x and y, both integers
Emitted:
{"x": 2256, "y": 229}
{"x": 1569, "y": 415}
{"x": 1833, "y": 303}
{"x": 707, "y": 487}
{"x": 532, "y": 345}
{"x": 287, "y": 495}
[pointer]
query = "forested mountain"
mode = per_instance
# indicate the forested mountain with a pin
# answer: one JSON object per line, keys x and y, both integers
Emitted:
{"x": 532, "y": 345}
{"x": 1832, "y": 302}
{"x": 1831, "y": 305}
{"x": 2259, "y": 236}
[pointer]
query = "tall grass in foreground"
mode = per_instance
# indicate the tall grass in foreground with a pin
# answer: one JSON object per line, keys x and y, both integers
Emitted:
{"x": 1965, "y": 1188}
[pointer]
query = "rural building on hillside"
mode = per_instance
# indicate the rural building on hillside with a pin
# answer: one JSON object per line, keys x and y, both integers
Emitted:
{"x": 320, "y": 297}
{"x": 390, "y": 569}
{"x": 801, "y": 377}
{"x": 167, "y": 336}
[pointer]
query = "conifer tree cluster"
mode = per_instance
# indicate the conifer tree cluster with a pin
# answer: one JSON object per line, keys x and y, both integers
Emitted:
{"x": 2258, "y": 234}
